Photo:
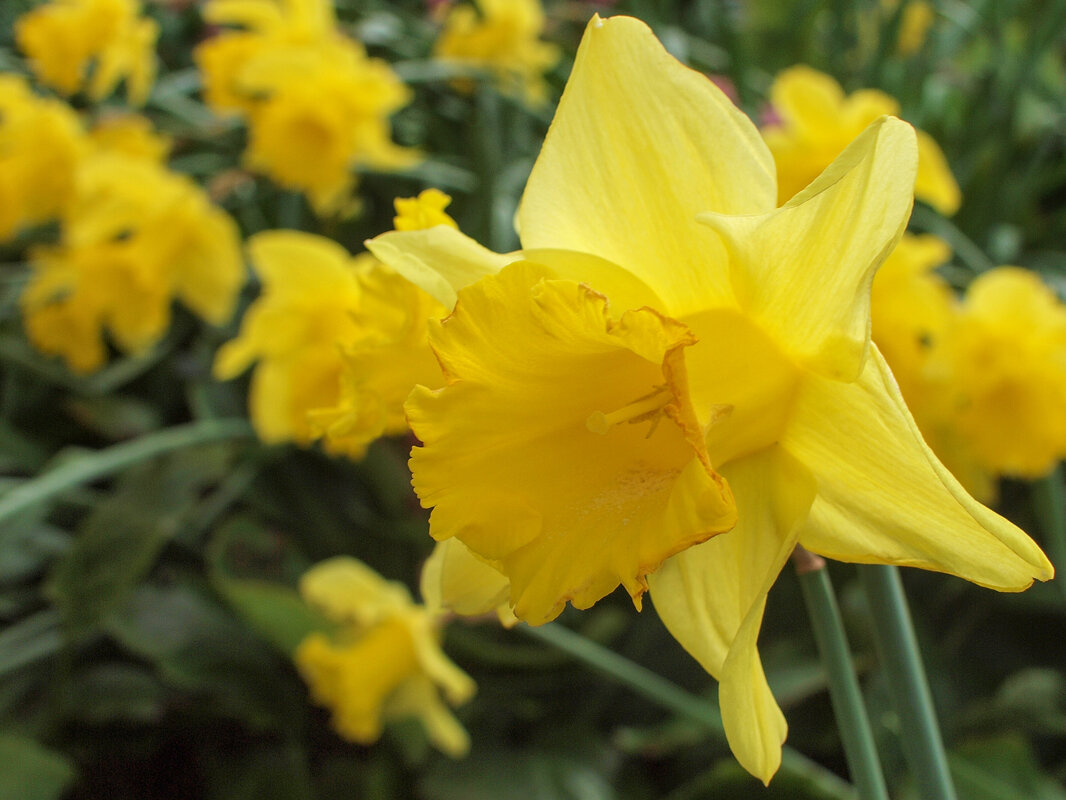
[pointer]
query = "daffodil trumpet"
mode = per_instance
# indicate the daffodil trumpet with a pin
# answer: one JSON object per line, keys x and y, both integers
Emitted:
{"x": 658, "y": 276}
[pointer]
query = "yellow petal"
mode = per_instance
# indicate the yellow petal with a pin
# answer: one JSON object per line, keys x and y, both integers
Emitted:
{"x": 641, "y": 144}
{"x": 528, "y": 459}
{"x": 624, "y": 289}
{"x": 454, "y": 579}
{"x": 804, "y": 271}
{"x": 438, "y": 260}
{"x": 809, "y": 101}
{"x": 348, "y": 591}
{"x": 935, "y": 184}
{"x": 883, "y": 497}
{"x": 712, "y": 596}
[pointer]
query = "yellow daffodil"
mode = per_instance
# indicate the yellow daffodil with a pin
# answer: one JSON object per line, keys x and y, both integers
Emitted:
{"x": 294, "y": 330}
{"x": 317, "y": 106}
{"x": 390, "y": 354}
{"x": 502, "y": 36}
{"x": 92, "y": 44}
{"x": 817, "y": 121}
{"x": 1007, "y": 360}
{"x": 384, "y": 661}
{"x": 41, "y": 144}
{"x": 136, "y": 237}
{"x": 665, "y": 322}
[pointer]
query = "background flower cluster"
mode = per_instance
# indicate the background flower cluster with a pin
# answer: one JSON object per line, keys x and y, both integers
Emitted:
{"x": 211, "y": 560}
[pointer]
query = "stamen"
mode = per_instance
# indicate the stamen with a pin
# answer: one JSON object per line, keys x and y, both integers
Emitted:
{"x": 643, "y": 408}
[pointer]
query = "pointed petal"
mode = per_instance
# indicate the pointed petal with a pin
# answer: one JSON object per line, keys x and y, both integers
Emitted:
{"x": 804, "y": 271}
{"x": 641, "y": 144}
{"x": 438, "y": 260}
{"x": 711, "y": 597}
{"x": 291, "y": 257}
{"x": 883, "y": 497}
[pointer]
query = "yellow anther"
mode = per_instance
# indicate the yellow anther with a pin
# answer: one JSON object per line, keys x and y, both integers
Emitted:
{"x": 643, "y": 408}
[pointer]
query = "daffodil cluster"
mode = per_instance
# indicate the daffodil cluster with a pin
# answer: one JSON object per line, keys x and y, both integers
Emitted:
{"x": 316, "y": 106}
{"x": 133, "y": 237}
{"x": 671, "y": 385}
{"x": 339, "y": 340}
{"x": 985, "y": 374}
{"x": 815, "y": 121}
{"x": 502, "y": 36}
{"x": 92, "y": 45}
{"x": 383, "y": 661}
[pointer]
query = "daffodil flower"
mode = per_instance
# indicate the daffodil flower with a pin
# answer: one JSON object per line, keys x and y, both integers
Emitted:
{"x": 666, "y": 329}
{"x": 383, "y": 661}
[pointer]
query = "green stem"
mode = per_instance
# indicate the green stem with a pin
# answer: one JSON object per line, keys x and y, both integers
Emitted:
{"x": 844, "y": 692}
{"x": 669, "y": 695}
{"x": 1050, "y": 502}
{"x": 93, "y": 466}
{"x": 897, "y": 650}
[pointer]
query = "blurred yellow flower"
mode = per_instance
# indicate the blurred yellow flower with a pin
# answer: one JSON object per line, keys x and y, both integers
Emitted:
{"x": 911, "y": 309}
{"x": 1007, "y": 359}
{"x": 390, "y": 353}
{"x": 916, "y": 20}
{"x": 41, "y": 144}
{"x": 317, "y": 106}
{"x": 132, "y": 135}
{"x": 136, "y": 237}
{"x": 502, "y": 36}
{"x": 665, "y": 316}
{"x": 817, "y": 121}
{"x": 294, "y": 330}
{"x": 384, "y": 662}
{"x": 90, "y": 44}
{"x": 424, "y": 211}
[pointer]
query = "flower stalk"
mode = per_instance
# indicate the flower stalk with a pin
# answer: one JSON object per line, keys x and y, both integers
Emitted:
{"x": 844, "y": 692}
{"x": 897, "y": 649}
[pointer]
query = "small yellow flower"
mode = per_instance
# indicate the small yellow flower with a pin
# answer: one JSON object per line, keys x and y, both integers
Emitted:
{"x": 91, "y": 44}
{"x": 294, "y": 330}
{"x": 818, "y": 121}
{"x": 384, "y": 662}
{"x": 1007, "y": 359}
{"x": 424, "y": 211}
{"x": 136, "y": 237}
{"x": 316, "y": 105}
{"x": 41, "y": 144}
{"x": 666, "y": 322}
{"x": 502, "y": 36}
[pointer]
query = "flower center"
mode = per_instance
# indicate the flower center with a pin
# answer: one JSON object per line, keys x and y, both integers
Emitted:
{"x": 648, "y": 407}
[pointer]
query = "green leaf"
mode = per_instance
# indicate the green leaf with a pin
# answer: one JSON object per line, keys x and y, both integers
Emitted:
{"x": 29, "y": 771}
{"x": 1001, "y": 769}
{"x": 30, "y": 640}
{"x": 119, "y": 542}
{"x": 199, "y": 649}
{"x": 273, "y": 610}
